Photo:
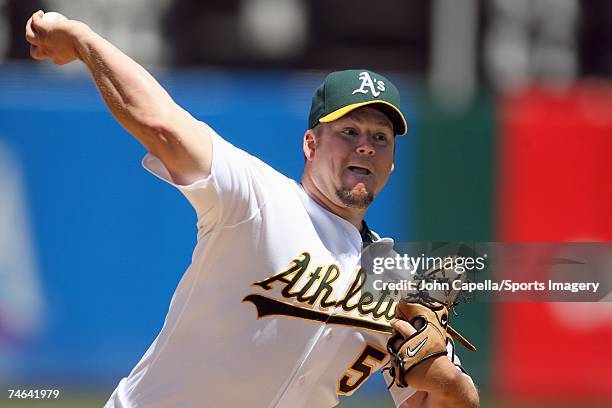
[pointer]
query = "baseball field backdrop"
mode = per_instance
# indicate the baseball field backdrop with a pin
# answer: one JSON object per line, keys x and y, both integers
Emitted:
{"x": 92, "y": 247}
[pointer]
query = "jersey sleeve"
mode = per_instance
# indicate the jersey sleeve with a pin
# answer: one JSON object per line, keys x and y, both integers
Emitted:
{"x": 234, "y": 191}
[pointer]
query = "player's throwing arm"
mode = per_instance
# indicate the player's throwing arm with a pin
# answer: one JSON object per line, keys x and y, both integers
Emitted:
{"x": 134, "y": 97}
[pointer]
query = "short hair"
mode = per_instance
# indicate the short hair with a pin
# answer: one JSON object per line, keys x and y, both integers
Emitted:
{"x": 317, "y": 129}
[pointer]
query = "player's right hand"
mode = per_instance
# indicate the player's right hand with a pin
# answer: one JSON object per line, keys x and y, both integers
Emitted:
{"x": 52, "y": 40}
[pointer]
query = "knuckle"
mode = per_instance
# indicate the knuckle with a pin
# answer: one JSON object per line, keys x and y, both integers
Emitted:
{"x": 36, "y": 53}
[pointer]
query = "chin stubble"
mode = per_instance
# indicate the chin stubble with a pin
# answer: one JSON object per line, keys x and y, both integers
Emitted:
{"x": 354, "y": 199}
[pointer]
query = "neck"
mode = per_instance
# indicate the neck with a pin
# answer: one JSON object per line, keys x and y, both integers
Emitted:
{"x": 352, "y": 215}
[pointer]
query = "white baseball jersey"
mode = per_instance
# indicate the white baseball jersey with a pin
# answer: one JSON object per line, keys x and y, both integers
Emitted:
{"x": 270, "y": 311}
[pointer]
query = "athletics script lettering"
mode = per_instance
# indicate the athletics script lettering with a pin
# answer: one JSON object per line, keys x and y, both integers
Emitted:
{"x": 314, "y": 286}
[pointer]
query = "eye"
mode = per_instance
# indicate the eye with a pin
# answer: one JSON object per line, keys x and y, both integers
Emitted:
{"x": 350, "y": 132}
{"x": 381, "y": 137}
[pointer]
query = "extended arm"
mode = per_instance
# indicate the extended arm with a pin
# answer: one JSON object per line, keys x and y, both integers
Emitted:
{"x": 134, "y": 97}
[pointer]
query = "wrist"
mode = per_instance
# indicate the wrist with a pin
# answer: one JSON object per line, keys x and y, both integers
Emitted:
{"x": 430, "y": 374}
{"x": 81, "y": 38}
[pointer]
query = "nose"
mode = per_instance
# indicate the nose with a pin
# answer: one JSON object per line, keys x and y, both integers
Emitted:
{"x": 366, "y": 149}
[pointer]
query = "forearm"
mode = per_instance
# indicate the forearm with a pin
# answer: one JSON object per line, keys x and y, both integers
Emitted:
{"x": 133, "y": 96}
{"x": 444, "y": 385}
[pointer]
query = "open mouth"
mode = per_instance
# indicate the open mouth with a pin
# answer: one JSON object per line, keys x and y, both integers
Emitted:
{"x": 360, "y": 170}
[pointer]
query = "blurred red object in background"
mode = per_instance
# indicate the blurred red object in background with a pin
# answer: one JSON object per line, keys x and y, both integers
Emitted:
{"x": 554, "y": 185}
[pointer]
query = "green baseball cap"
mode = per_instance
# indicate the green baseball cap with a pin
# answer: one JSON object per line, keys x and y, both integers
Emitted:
{"x": 344, "y": 91}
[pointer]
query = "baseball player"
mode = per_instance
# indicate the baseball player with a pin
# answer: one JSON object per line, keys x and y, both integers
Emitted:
{"x": 271, "y": 311}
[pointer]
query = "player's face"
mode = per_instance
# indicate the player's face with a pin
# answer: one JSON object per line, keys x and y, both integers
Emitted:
{"x": 353, "y": 157}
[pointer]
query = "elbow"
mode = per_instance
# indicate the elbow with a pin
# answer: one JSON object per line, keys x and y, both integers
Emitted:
{"x": 475, "y": 402}
{"x": 458, "y": 401}
{"x": 159, "y": 135}
{"x": 468, "y": 401}
{"x": 456, "y": 391}
{"x": 461, "y": 393}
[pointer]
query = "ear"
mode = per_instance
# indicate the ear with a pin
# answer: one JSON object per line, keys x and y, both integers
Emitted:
{"x": 309, "y": 144}
{"x": 392, "y": 167}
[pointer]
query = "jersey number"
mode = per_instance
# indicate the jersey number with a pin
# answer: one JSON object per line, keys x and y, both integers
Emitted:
{"x": 347, "y": 383}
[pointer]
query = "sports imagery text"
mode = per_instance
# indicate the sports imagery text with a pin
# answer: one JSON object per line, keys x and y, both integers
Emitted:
{"x": 506, "y": 285}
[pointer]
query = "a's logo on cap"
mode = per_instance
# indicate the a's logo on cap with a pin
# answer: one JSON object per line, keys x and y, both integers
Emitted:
{"x": 372, "y": 84}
